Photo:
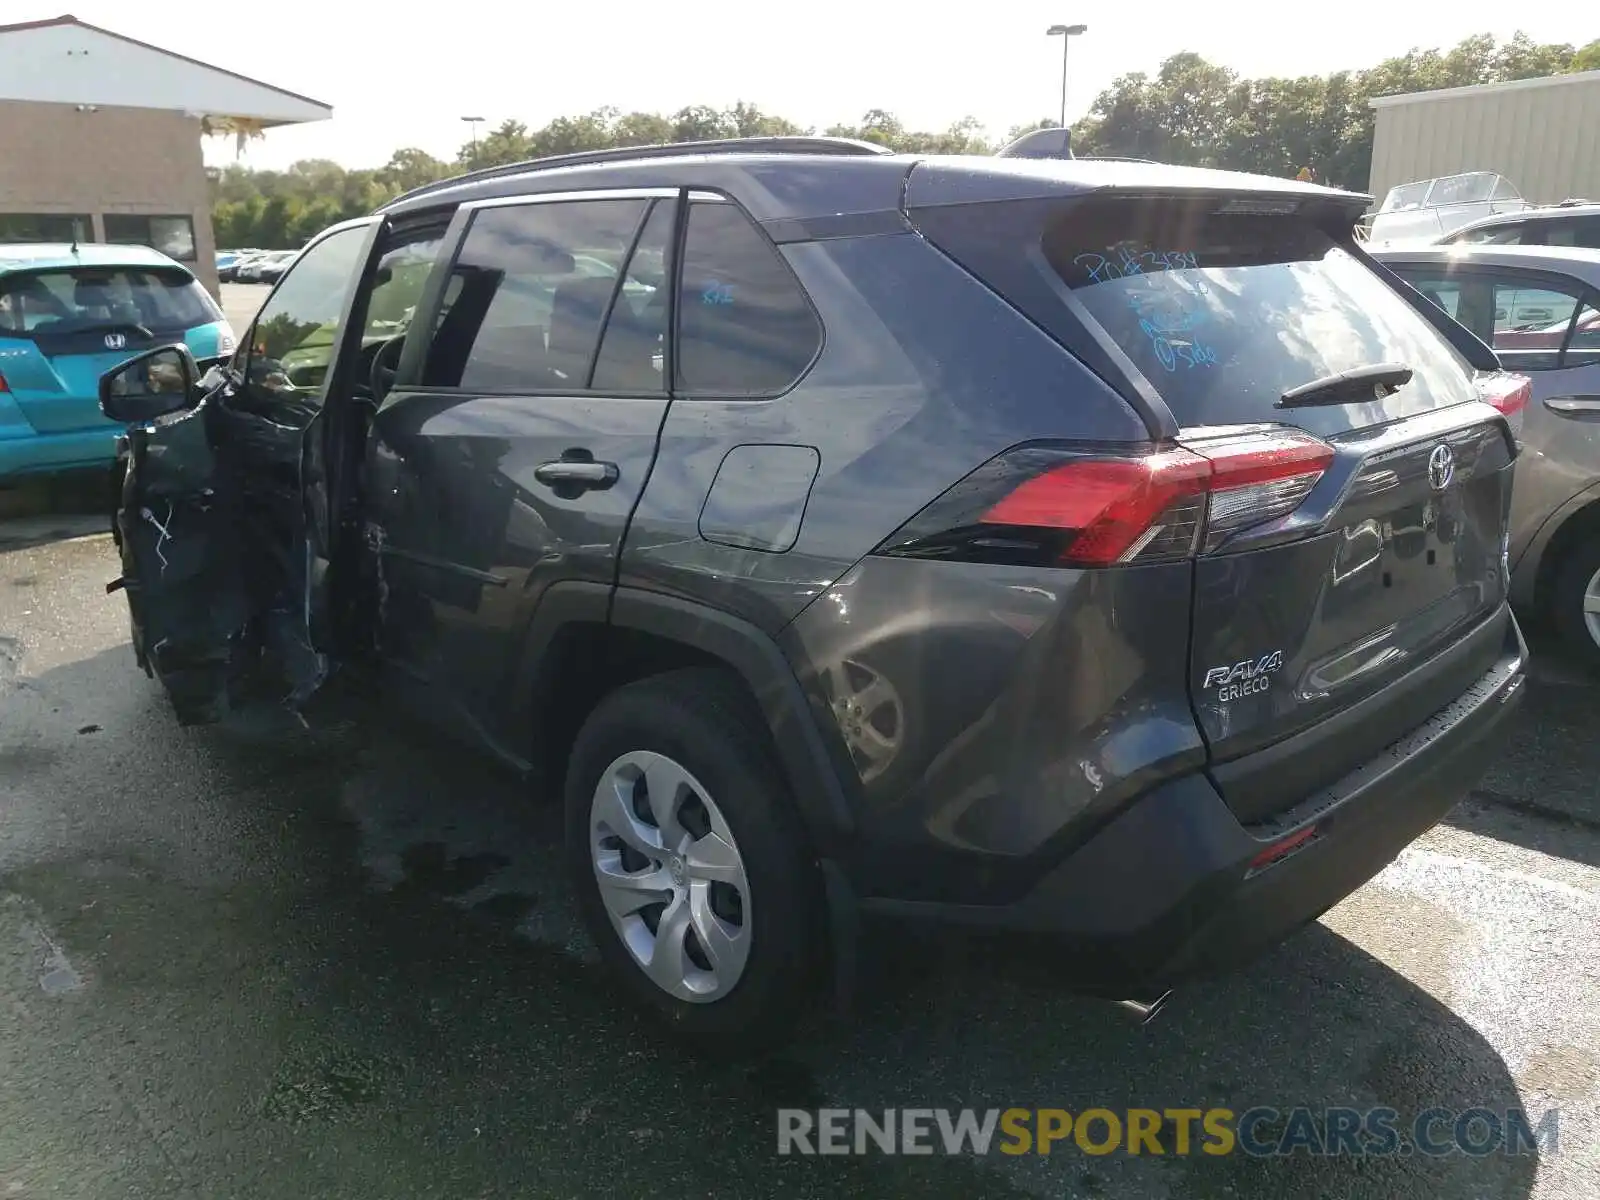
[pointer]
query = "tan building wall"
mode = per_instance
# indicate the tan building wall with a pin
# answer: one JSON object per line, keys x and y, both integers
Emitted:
{"x": 55, "y": 158}
{"x": 1541, "y": 134}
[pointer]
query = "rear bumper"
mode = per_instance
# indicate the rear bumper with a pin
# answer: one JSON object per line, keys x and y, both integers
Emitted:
{"x": 37, "y": 453}
{"x": 1166, "y": 891}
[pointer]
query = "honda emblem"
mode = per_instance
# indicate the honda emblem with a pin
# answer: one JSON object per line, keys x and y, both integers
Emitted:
{"x": 116, "y": 341}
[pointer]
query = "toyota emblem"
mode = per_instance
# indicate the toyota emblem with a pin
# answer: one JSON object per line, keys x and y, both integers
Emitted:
{"x": 1441, "y": 467}
{"x": 116, "y": 341}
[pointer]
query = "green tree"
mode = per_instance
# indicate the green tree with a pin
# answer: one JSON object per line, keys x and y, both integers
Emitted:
{"x": 1188, "y": 111}
{"x": 410, "y": 168}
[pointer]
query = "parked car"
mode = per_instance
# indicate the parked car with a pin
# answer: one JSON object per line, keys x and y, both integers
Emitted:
{"x": 1576, "y": 224}
{"x": 770, "y": 498}
{"x": 253, "y": 269}
{"x": 1539, "y": 307}
{"x": 67, "y": 313}
{"x": 232, "y": 274}
{"x": 1421, "y": 213}
{"x": 272, "y": 267}
{"x": 226, "y": 271}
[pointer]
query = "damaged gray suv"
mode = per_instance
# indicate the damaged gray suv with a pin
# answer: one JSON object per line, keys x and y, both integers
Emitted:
{"x": 1102, "y": 550}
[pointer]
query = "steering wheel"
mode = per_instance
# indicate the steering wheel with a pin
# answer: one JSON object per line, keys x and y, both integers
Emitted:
{"x": 385, "y": 364}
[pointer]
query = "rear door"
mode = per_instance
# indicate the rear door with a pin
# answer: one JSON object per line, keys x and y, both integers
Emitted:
{"x": 1546, "y": 326}
{"x": 1314, "y": 588}
{"x": 512, "y": 448}
{"x": 63, "y": 328}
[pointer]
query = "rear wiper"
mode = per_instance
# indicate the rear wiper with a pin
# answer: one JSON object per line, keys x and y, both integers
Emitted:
{"x": 1355, "y": 386}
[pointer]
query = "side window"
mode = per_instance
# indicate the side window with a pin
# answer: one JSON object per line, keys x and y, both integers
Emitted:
{"x": 536, "y": 281}
{"x": 631, "y": 352}
{"x": 1575, "y": 231}
{"x": 1512, "y": 235}
{"x": 1468, "y": 298}
{"x": 1446, "y": 293}
{"x": 1492, "y": 235}
{"x": 293, "y": 338}
{"x": 1531, "y": 323}
{"x": 173, "y": 236}
{"x": 745, "y": 327}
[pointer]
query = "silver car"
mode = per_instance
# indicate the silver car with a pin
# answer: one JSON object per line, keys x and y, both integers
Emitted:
{"x": 1539, "y": 307}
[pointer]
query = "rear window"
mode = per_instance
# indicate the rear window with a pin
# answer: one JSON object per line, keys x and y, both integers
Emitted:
{"x": 42, "y": 303}
{"x": 1225, "y": 311}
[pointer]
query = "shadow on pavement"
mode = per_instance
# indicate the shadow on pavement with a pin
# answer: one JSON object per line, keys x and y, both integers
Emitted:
{"x": 48, "y": 509}
{"x": 1543, "y": 792}
{"x": 344, "y": 963}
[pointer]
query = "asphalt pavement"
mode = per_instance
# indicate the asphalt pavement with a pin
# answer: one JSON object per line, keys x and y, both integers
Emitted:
{"x": 258, "y": 960}
{"x": 241, "y": 302}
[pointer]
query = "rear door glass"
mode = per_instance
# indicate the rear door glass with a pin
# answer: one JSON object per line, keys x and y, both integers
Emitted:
{"x": 1526, "y": 318}
{"x": 1223, "y": 312}
{"x": 536, "y": 284}
{"x": 633, "y": 347}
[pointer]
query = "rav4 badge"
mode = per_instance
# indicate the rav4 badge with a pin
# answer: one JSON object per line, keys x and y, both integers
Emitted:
{"x": 1244, "y": 678}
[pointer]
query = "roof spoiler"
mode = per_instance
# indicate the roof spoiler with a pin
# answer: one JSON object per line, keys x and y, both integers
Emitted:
{"x": 1041, "y": 143}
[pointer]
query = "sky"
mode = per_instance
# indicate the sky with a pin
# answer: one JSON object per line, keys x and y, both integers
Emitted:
{"x": 405, "y": 75}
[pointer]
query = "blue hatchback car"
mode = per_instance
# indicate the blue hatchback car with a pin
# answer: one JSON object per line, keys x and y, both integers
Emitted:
{"x": 69, "y": 313}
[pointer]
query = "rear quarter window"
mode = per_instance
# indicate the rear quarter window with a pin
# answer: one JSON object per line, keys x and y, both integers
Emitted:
{"x": 745, "y": 326}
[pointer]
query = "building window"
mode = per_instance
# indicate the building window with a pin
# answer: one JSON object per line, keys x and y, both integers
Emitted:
{"x": 173, "y": 236}
{"x": 45, "y": 227}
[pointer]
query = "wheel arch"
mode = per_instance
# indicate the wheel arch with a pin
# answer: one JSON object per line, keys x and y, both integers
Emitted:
{"x": 586, "y": 639}
{"x": 1578, "y": 519}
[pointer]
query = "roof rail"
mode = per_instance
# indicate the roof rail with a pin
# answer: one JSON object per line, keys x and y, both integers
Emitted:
{"x": 748, "y": 145}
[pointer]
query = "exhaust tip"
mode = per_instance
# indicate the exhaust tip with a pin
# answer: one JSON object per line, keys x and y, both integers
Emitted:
{"x": 1144, "y": 1011}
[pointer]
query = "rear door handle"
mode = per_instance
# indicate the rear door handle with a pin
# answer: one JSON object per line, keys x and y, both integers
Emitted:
{"x": 577, "y": 473}
{"x": 1574, "y": 405}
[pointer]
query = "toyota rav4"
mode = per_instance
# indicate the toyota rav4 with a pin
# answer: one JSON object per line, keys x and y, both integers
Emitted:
{"x": 1104, "y": 550}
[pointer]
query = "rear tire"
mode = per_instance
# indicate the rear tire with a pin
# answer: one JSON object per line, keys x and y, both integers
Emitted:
{"x": 709, "y": 914}
{"x": 1575, "y": 601}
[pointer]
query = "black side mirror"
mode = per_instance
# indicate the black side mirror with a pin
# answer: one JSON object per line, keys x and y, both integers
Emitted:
{"x": 150, "y": 385}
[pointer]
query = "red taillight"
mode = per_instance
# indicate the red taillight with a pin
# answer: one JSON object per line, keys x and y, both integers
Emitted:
{"x": 1115, "y": 505}
{"x": 1158, "y": 505}
{"x": 4, "y": 386}
{"x": 1508, "y": 392}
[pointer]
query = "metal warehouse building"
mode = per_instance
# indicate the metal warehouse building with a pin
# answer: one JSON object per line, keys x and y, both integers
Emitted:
{"x": 1541, "y": 134}
{"x": 100, "y": 137}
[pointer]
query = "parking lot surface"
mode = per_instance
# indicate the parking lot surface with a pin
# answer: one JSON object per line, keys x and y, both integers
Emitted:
{"x": 256, "y": 960}
{"x": 241, "y": 302}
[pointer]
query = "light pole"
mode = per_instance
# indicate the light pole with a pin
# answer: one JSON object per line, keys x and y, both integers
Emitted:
{"x": 1066, "y": 33}
{"x": 474, "y": 122}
